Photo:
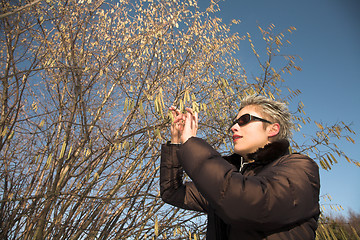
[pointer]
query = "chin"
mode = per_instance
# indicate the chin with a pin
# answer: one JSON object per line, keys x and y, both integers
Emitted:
{"x": 240, "y": 152}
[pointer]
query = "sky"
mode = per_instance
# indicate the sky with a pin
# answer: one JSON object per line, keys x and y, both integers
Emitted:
{"x": 328, "y": 41}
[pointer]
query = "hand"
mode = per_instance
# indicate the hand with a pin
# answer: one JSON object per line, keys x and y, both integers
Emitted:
{"x": 190, "y": 126}
{"x": 177, "y": 126}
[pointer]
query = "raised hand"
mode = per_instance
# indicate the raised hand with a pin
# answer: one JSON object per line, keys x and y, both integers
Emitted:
{"x": 177, "y": 126}
{"x": 190, "y": 126}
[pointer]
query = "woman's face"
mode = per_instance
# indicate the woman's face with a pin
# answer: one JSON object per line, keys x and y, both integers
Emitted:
{"x": 251, "y": 136}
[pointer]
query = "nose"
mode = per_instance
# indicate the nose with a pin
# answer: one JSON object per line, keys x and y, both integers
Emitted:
{"x": 234, "y": 128}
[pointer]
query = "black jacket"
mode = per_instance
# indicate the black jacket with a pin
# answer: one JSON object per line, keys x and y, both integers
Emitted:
{"x": 275, "y": 197}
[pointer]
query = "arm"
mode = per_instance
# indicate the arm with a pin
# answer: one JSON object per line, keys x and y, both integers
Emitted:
{"x": 281, "y": 195}
{"x": 172, "y": 189}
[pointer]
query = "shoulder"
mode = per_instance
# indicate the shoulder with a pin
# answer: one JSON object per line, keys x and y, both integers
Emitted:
{"x": 296, "y": 158}
{"x": 298, "y": 163}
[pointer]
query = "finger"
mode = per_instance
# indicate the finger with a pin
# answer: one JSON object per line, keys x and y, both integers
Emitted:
{"x": 190, "y": 116}
{"x": 188, "y": 120}
{"x": 194, "y": 123}
{"x": 189, "y": 110}
{"x": 179, "y": 119}
{"x": 175, "y": 114}
{"x": 196, "y": 119}
{"x": 174, "y": 109}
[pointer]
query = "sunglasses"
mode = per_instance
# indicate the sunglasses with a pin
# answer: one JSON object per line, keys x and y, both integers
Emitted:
{"x": 246, "y": 118}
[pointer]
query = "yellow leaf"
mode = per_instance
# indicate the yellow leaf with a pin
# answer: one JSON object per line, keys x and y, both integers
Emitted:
{"x": 186, "y": 96}
{"x": 126, "y": 103}
{"x": 4, "y": 132}
{"x": 96, "y": 176}
{"x": 181, "y": 107}
{"x": 11, "y": 135}
{"x": 62, "y": 150}
{"x": 10, "y": 196}
{"x": 48, "y": 161}
{"x": 141, "y": 108}
{"x": 195, "y": 106}
{"x": 319, "y": 125}
{"x": 350, "y": 139}
{"x": 42, "y": 123}
{"x": 322, "y": 164}
{"x": 333, "y": 158}
{"x": 156, "y": 227}
{"x": 69, "y": 154}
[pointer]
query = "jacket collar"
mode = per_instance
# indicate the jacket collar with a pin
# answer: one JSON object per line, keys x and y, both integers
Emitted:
{"x": 265, "y": 155}
{"x": 270, "y": 152}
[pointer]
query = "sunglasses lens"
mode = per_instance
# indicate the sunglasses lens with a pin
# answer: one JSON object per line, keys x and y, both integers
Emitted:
{"x": 244, "y": 119}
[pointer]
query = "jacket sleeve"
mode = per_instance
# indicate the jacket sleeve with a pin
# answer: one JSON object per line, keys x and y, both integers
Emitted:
{"x": 284, "y": 194}
{"x": 172, "y": 188}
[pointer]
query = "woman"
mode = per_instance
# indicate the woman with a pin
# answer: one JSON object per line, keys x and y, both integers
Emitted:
{"x": 259, "y": 192}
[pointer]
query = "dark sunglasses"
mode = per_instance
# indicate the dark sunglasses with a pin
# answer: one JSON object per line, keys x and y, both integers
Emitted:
{"x": 246, "y": 118}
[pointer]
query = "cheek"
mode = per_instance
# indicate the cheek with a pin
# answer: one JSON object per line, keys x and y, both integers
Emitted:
{"x": 255, "y": 134}
{"x": 251, "y": 132}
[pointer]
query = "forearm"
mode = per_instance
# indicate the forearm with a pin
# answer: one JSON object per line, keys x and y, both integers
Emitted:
{"x": 172, "y": 188}
{"x": 170, "y": 170}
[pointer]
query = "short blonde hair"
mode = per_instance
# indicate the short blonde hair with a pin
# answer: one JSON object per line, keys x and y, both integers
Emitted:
{"x": 277, "y": 112}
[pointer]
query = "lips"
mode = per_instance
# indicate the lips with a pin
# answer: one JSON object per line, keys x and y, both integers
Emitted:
{"x": 236, "y": 137}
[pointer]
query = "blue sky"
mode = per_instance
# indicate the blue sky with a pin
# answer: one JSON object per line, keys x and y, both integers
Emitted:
{"x": 328, "y": 40}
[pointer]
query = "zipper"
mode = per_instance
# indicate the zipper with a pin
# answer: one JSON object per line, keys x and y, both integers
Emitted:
{"x": 242, "y": 164}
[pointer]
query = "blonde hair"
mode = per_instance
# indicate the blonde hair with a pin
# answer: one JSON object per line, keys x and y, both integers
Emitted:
{"x": 277, "y": 112}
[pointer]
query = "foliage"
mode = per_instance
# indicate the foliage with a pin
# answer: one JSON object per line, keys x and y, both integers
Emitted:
{"x": 339, "y": 227}
{"x": 84, "y": 90}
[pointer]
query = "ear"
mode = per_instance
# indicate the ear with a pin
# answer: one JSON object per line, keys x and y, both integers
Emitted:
{"x": 273, "y": 129}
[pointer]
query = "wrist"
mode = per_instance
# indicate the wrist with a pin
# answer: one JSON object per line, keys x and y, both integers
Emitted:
{"x": 172, "y": 143}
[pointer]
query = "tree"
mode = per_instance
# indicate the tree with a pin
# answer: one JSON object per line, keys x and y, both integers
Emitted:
{"x": 84, "y": 90}
{"x": 339, "y": 228}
